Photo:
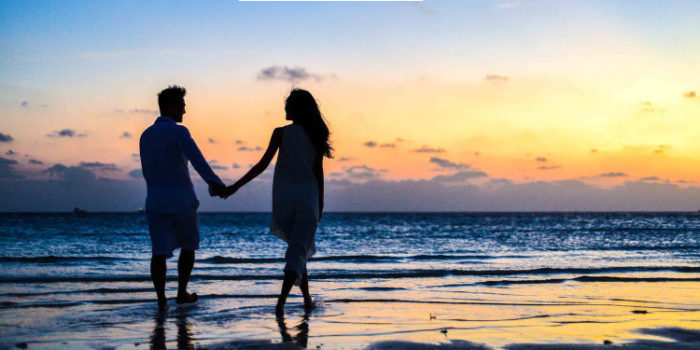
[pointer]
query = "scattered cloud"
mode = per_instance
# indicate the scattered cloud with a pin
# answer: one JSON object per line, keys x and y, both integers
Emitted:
{"x": 399, "y": 139}
{"x": 370, "y": 144}
{"x": 125, "y": 135}
{"x": 66, "y": 133}
{"x": 5, "y": 138}
{"x": 35, "y": 162}
{"x": 689, "y": 94}
{"x": 594, "y": 150}
{"x": 285, "y": 73}
{"x": 235, "y": 166}
{"x": 99, "y": 166}
{"x": 249, "y": 149}
{"x": 143, "y": 111}
{"x": 239, "y": 142}
{"x": 11, "y": 153}
{"x": 346, "y": 159}
{"x": 211, "y": 140}
{"x": 612, "y": 174}
{"x": 136, "y": 174}
{"x": 428, "y": 149}
{"x": 362, "y": 172}
{"x": 336, "y": 174}
{"x": 387, "y": 145}
{"x": 541, "y": 159}
{"x": 650, "y": 178}
{"x": 446, "y": 164}
{"x": 216, "y": 166}
{"x": 24, "y": 104}
{"x": 551, "y": 167}
{"x": 73, "y": 174}
{"x": 497, "y": 78}
{"x": 6, "y": 169}
{"x": 460, "y": 176}
{"x": 136, "y": 157}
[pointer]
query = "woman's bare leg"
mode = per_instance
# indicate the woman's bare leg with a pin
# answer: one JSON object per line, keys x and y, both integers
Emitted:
{"x": 289, "y": 278}
{"x": 304, "y": 286}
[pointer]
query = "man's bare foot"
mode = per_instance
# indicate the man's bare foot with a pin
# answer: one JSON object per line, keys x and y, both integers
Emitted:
{"x": 163, "y": 305}
{"x": 187, "y": 298}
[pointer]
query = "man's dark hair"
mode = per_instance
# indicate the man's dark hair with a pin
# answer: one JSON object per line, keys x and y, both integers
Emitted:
{"x": 170, "y": 96}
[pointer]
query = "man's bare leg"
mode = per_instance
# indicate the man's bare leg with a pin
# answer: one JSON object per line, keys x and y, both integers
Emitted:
{"x": 184, "y": 269}
{"x": 158, "y": 270}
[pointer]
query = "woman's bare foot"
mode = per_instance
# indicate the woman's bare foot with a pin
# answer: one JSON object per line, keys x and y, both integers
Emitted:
{"x": 308, "y": 304}
{"x": 279, "y": 309}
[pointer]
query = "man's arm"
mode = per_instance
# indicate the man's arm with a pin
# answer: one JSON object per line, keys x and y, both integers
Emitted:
{"x": 191, "y": 151}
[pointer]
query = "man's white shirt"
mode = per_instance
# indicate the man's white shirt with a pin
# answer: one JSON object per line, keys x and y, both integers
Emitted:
{"x": 165, "y": 148}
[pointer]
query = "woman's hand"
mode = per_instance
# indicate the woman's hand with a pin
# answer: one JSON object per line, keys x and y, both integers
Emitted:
{"x": 230, "y": 190}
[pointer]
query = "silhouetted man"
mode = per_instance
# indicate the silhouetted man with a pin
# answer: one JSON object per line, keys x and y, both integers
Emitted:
{"x": 171, "y": 203}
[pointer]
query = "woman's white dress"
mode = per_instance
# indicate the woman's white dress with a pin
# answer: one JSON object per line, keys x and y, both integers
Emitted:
{"x": 295, "y": 198}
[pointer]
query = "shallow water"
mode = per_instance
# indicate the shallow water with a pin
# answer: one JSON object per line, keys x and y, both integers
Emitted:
{"x": 493, "y": 279}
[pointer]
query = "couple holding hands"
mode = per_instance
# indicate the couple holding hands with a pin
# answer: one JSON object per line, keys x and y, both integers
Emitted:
{"x": 171, "y": 203}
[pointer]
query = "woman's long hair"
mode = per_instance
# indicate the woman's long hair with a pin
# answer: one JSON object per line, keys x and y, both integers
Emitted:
{"x": 302, "y": 108}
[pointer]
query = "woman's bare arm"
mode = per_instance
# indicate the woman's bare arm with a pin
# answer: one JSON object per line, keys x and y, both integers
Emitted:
{"x": 264, "y": 162}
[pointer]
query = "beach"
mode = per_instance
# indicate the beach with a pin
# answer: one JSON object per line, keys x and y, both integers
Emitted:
{"x": 380, "y": 281}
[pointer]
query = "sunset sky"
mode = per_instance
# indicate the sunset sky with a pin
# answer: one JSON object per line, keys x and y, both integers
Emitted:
{"x": 594, "y": 100}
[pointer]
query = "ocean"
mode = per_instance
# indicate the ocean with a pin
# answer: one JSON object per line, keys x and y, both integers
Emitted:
{"x": 71, "y": 280}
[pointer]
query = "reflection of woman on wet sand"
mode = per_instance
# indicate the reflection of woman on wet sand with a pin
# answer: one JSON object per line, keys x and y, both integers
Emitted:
{"x": 297, "y": 191}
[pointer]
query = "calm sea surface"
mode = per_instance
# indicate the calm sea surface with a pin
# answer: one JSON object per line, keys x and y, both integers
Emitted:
{"x": 61, "y": 271}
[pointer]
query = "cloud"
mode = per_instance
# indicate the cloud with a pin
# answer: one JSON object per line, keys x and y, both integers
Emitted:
{"x": 370, "y": 144}
{"x": 24, "y": 104}
{"x": 5, "y": 138}
{"x": 399, "y": 139}
{"x": 496, "y": 78}
{"x": 594, "y": 150}
{"x": 507, "y": 5}
{"x": 551, "y": 167}
{"x": 387, "y": 145}
{"x": 11, "y": 153}
{"x": 239, "y": 142}
{"x": 143, "y": 111}
{"x": 362, "y": 172}
{"x": 285, "y": 73}
{"x": 346, "y": 159}
{"x": 650, "y": 178}
{"x": 612, "y": 174}
{"x": 460, "y": 176}
{"x": 338, "y": 182}
{"x": 36, "y": 162}
{"x": 66, "y": 133}
{"x": 540, "y": 159}
{"x": 249, "y": 149}
{"x": 336, "y": 174}
{"x": 446, "y": 164}
{"x": 689, "y": 94}
{"x": 74, "y": 174}
{"x": 125, "y": 135}
{"x": 428, "y": 149}
{"x": 136, "y": 174}
{"x": 235, "y": 166}
{"x": 6, "y": 169}
{"x": 99, "y": 166}
{"x": 216, "y": 166}
{"x": 211, "y": 140}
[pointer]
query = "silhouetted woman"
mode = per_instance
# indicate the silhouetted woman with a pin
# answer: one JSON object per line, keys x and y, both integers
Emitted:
{"x": 297, "y": 190}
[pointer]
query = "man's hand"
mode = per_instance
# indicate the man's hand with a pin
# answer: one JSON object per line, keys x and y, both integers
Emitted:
{"x": 217, "y": 190}
{"x": 230, "y": 190}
